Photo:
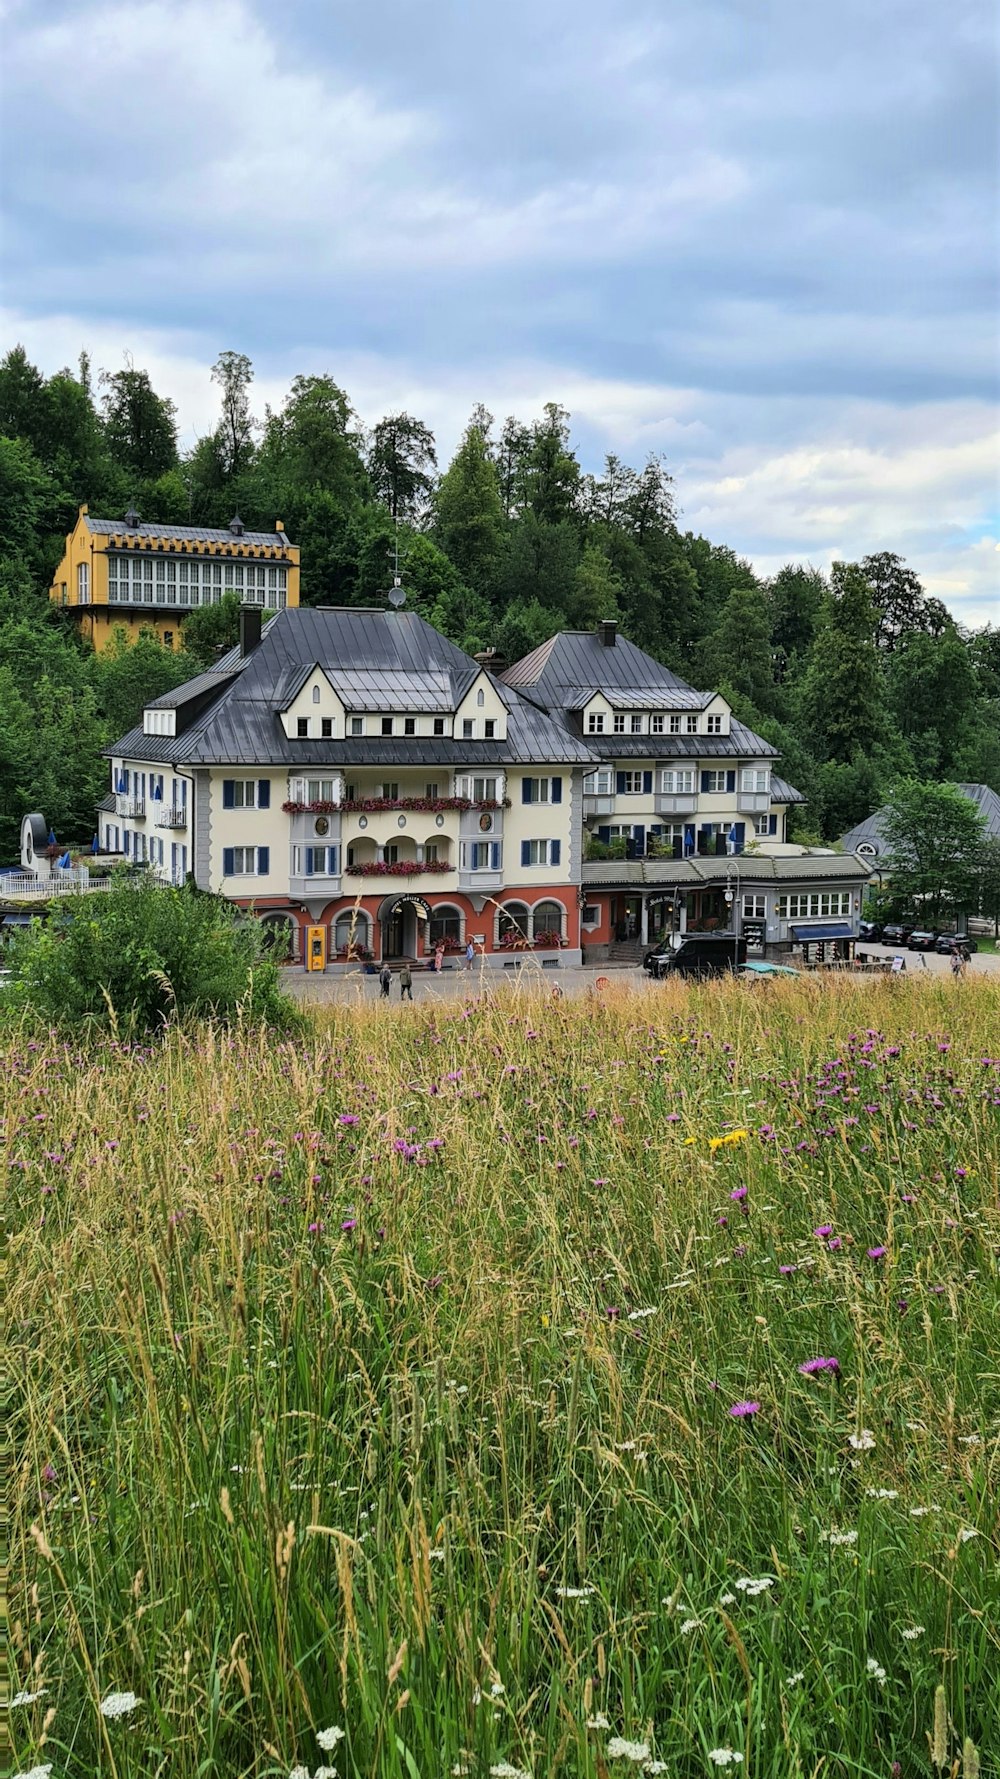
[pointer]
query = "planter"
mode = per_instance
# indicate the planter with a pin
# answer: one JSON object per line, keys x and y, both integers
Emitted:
{"x": 373, "y": 805}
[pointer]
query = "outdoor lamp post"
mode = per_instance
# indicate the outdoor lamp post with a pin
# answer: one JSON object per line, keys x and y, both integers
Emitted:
{"x": 733, "y": 897}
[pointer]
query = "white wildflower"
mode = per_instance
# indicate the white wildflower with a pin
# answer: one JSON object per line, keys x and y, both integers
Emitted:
{"x": 299, "y": 1773}
{"x": 27, "y": 1698}
{"x": 863, "y": 1441}
{"x": 877, "y": 1673}
{"x": 627, "y": 1445}
{"x": 724, "y": 1757}
{"x": 575, "y": 1593}
{"x": 727, "y": 1599}
{"x": 691, "y": 1624}
{"x": 437, "y": 1554}
{"x": 36, "y": 1772}
{"x": 966, "y": 1533}
{"x": 912, "y": 1632}
{"x": 795, "y": 1679}
{"x": 970, "y": 1439}
{"x": 917, "y": 1513}
{"x": 325, "y": 1773}
{"x": 834, "y": 1538}
{"x": 497, "y": 1690}
{"x": 640, "y": 1315}
{"x": 748, "y": 1585}
{"x": 620, "y": 1749}
{"x": 598, "y": 1722}
{"x": 504, "y": 1770}
{"x": 118, "y": 1704}
{"x": 655, "y": 1766}
{"x": 328, "y": 1739}
{"x": 882, "y": 1494}
{"x": 460, "y": 1769}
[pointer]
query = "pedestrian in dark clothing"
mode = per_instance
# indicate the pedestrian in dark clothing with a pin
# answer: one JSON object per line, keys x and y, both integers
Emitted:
{"x": 385, "y": 977}
{"x": 405, "y": 984}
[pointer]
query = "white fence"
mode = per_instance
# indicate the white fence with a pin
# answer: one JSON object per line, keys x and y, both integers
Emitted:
{"x": 23, "y": 886}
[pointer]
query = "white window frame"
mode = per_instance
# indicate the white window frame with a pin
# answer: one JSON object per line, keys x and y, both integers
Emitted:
{"x": 600, "y": 783}
{"x": 677, "y": 781}
{"x": 618, "y": 722}
{"x": 692, "y": 725}
{"x": 83, "y": 583}
{"x": 244, "y": 793}
{"x": 755, "y": 778}
{"x": 815, "y": 905}
{"x": 675, "y": 722}
{"x": 630, "y": 789}
{"x": 656, "y": 723}
{"x": 635, "y": 722}
{"x": 754, "y": 907}
{"x": 243, "y": 869}
{"x": 713, "y": 723}
{"x": 595, "y": 722}
{"x": 713, "y": 788}
{"x": 762, "y": 827}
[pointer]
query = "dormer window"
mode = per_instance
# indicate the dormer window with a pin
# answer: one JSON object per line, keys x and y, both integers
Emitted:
{"x": 315, "y": 694}
{"x": 387, "y": 725}
{"x": 480, "y": 698}
{"x": 439, "y": 725}
{"x": 409, "y": 725}
{"x": 302, "y": 728}
{"x": 635, "y": 723}
{"x": 656, "y": 724}
{"x": 675, "y": 723}
{"x": 489, "y": 728}
{"x": 595, "y": 722}
{"x": 692, "y": 725}
{"x": 468, "y": 728}
{"x": 357, "y": 725}
{"x": 618, "y": 722}
{"x": 714, "y": 725}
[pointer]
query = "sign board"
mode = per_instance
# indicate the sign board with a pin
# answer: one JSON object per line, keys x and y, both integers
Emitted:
{"x": 753, "y": 932}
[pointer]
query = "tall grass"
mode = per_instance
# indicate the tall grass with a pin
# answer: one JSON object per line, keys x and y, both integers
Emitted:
{"x": 383, "y": 1379}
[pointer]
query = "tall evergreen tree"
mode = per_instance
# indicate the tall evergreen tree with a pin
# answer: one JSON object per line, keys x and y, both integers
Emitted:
{"x": 468, "y": 517}
{"x": 551, "y": 471}
{"x": 842, "y": 691}
{"x": 737, "y": 655}
{"x": 401, "y": 463}
{"x": 139, "y": 425}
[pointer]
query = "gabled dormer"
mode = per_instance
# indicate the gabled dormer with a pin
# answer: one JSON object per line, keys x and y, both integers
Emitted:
{"x": 482, "y": 713}
{"x": 716, "y": 718}
{"x": 597, "y": 716}
{"x": 315, "y": 713}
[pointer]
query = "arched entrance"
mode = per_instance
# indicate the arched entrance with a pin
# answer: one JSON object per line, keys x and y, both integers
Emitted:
{"x": 399, "y": 919}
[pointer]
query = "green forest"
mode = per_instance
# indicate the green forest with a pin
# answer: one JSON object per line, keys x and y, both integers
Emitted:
{"x": 858, "y": 678}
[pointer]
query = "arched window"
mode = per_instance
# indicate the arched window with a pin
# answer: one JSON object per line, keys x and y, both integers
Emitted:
{"x": 315, "y": 694}
{"x": 513, "y": 924}
{"x": 281, "y": 930}
{"x": 480, "y": 697}
{"x": 445, "y": 924}
{"x": 547, "y": 922}
{"x": 351, "y": 933}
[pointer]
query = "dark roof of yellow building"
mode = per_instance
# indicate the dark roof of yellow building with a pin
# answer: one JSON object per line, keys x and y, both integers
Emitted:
{"x": 194, "y": 534}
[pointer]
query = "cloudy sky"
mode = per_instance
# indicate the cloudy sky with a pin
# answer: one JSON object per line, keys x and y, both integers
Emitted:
{"x": 756, "y": 235}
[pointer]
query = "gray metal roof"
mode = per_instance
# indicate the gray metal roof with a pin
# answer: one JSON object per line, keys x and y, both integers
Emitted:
{"x": 783, "y": 792}
{"x": 740, "y": 744}
{"x": 567, "y": 664}
{"x": 192, "y": 688}
{"x": 191, "y": 534}
{"x": 242, "y": 726}
{"x": 645, "y": 698}
{"x": 108, "y": 804}
{"x": 811, "y": 867}
{"x": 871, "y": 832}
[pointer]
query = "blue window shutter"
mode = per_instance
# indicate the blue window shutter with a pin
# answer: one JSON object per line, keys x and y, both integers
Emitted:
{"x": 527, "y": 785}
{"x": 730, "y": 781}
{"x": 556, "y": 792}
{"x": 227, "y": 861}
{"x": 704, "y": 781}
{"x": 126, "y": 842}
{"x": 263, "y": 860}
{"x": 309, "y": 861}
{"x": 495, "y": 855}
{"x": 619, "y": 784}
{"x": 263, "y": 793}
{"x": 639, "y": 841}
{"x": 741, "y": 835}
{"x": 555, "y": 851}
{"x": 604, "y": 835}
{"x": 228, "y": 798}
{"x": 647, "y": 783}
{"x": 526, "y": 852}
{"x": 772, "y": 824}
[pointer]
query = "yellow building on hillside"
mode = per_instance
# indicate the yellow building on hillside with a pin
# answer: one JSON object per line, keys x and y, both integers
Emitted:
{"x": 121, "y": 573}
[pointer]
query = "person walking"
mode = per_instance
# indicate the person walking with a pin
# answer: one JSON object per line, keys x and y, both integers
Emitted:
{"x": 470, "y": 955}
{"x": 385, "y": 977}
{"x": 438, "y": 959}
{"x": 405, "y": 984}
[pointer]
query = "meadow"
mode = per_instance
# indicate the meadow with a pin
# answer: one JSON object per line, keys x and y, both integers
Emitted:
{"x": 529, "y": 1387}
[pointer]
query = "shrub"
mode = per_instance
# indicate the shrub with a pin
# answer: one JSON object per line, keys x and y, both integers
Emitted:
{"x": 139, "y": 955}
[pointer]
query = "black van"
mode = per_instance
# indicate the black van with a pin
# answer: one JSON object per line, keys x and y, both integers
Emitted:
{"x": 701, "y": 954}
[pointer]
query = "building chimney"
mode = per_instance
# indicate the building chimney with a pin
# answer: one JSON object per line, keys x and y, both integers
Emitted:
{"x": 607, "y": 630}
{"x": 250, "y": 621}
{"x": 491, "y": 659}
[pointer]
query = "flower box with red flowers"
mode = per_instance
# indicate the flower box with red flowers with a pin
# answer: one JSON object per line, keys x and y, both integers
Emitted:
{"x": 401, "y": 868}
{"x": 374, "y": 805}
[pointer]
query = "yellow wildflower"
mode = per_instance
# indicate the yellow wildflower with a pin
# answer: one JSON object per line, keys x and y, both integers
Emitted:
{"x": 731, "y": 1136}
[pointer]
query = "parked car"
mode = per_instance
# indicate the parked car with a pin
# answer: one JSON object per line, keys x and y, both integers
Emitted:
{"x": 871, "y": 930}
{"x": 897, "y": 932}
{"x": 921, "y": 940}
{"x": 658, "y": 951}
{"x": 701, "y": 954}
{"x": 945, "y": 942}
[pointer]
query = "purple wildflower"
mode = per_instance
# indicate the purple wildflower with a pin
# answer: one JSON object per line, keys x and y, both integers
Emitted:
{"x": 835, "y": 1242}
{"x": 738, "y": 1192}
{"x": 823, "y": 1229}
{"x": 741, "y": 1409}
{"x": 875, "y": 1253}
{"x": 809, "y": 1366}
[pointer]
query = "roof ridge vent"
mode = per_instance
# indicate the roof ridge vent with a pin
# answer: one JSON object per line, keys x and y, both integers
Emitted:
{"x": 132, "y": 518}
{"x": 236, "y": 525}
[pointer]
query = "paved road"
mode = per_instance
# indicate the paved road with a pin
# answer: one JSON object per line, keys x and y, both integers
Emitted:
{"x": 457, "y": 984}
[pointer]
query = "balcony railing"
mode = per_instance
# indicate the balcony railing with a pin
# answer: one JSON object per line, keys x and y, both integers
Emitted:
{"x": 131, "y": 806}
{"x": 172, "y": 817}
{"x": 379, "y": 805}
{"x": 24, "y": 886}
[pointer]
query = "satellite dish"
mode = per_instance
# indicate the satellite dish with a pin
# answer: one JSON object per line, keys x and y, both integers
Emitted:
{"x": 397, "y": 595}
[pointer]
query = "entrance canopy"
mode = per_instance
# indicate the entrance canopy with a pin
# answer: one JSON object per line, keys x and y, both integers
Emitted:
{"x": 391, "y": 905}
{"x": 836, "y": 929}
